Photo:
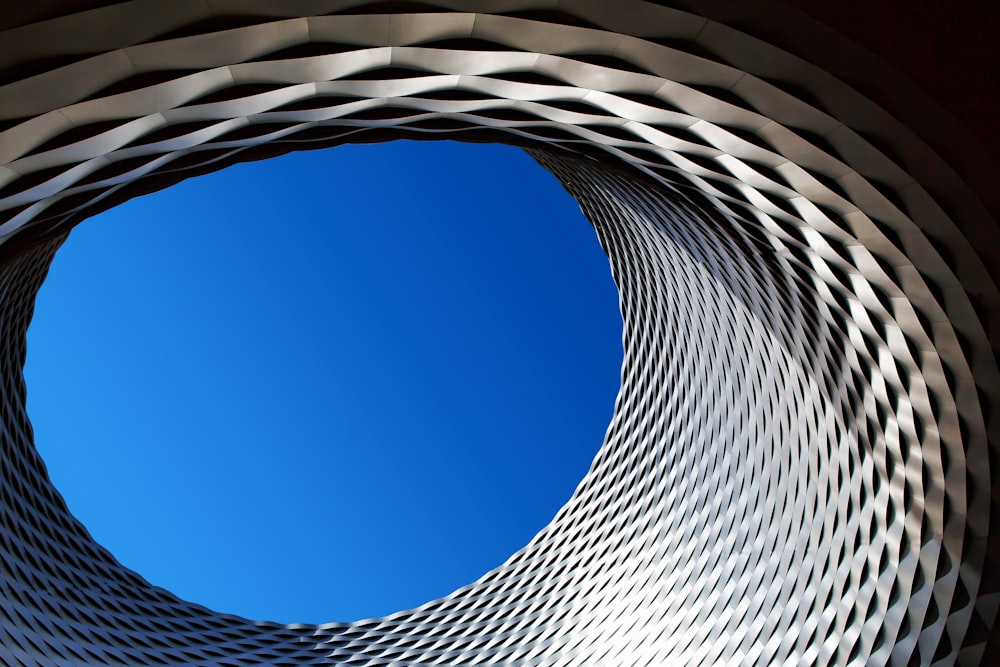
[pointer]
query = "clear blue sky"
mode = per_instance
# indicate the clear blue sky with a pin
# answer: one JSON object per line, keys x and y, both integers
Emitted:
{"x": 331, "y": 385}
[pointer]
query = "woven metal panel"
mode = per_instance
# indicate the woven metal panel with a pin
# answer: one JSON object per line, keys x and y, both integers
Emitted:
{"x": 798, "y": 470}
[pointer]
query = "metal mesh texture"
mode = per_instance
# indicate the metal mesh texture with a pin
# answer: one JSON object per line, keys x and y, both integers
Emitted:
{"x": 800, "y": 465}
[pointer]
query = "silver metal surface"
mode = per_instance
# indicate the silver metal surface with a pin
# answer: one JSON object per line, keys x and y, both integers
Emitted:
{"x": 799, "y": 468}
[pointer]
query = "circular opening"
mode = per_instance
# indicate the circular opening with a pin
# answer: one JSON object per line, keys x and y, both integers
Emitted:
{"x": 331, "y": 385}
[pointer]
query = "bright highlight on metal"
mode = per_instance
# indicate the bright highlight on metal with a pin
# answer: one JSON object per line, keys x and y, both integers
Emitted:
{"x": 800, "y": 469}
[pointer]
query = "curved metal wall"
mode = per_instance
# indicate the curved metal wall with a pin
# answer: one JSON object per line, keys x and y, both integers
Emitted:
{"x": 800, "y": 465}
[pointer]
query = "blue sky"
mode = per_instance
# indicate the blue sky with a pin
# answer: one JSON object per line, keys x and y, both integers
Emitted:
{"x": 331, "y": 385}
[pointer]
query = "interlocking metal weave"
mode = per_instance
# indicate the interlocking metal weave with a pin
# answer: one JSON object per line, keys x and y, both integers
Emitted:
{"x": 800, "y": 467}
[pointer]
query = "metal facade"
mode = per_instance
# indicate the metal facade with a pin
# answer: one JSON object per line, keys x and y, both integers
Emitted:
{"x": 800, "y": 467}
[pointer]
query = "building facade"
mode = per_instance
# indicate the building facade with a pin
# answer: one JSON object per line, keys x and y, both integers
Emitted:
{"x": 800, "y": 468}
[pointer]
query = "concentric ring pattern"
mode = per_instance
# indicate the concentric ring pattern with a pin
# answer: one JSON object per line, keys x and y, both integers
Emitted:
{"x": 800, "y": 468}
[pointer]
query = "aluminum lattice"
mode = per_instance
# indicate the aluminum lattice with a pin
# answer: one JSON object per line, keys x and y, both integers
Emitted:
{"x": 798, "y": 470}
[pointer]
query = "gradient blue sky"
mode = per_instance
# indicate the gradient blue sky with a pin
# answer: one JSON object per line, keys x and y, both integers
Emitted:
{"x": 331, "y": 385}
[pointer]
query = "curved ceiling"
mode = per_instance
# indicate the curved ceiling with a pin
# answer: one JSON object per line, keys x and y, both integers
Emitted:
{"x": 799, "y": 469}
